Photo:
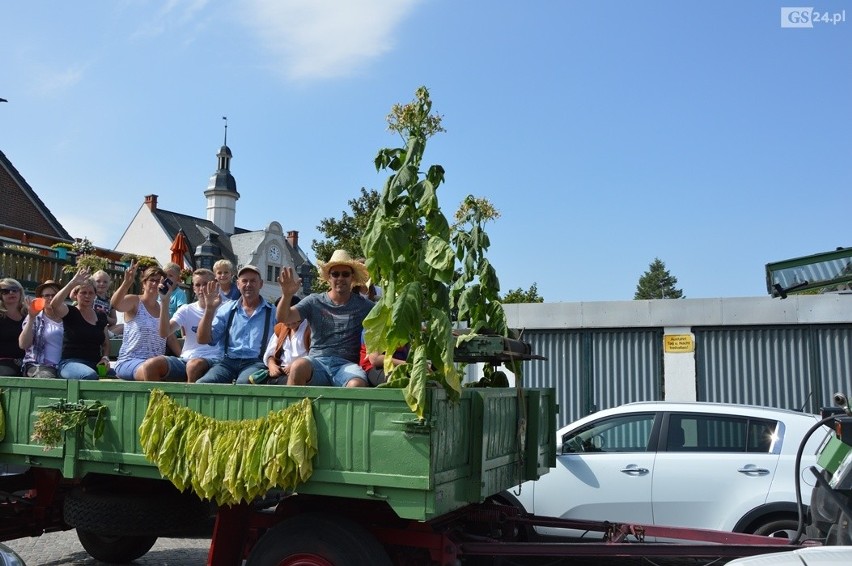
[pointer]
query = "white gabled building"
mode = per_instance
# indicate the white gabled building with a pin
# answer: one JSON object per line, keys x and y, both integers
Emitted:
{"x": 153, "y": 229}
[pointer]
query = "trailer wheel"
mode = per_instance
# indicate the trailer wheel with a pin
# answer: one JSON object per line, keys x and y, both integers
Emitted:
{"x": 122, "y": 514}
{"x": 778, "y": 528}
{"x": 115, "y": 550}
{"x": 316, "y": 539}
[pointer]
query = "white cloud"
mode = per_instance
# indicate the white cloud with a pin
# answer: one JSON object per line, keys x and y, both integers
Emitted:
{"x": 326, "y": 38}
{"x": 53, "y": 83}
{"x": 173, "y": 13}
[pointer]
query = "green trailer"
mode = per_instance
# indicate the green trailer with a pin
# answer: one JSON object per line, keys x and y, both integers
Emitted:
{"x": 377, "y": 467}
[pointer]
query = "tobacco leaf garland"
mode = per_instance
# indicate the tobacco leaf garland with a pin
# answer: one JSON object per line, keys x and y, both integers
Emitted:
{"x": 229, "y": 461}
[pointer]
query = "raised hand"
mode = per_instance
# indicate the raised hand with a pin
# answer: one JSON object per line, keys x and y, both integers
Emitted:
{"x": 130, "y": 272}
{"x": 289, "y": 282}
{"x": 212, "y": 298}
{"x": 82, "y": 274}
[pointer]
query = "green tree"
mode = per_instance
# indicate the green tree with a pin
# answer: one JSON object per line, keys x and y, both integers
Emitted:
{"x": 520, "y": 296}
{"x": 345, "y": 233}
{"x": 657, "y": 283}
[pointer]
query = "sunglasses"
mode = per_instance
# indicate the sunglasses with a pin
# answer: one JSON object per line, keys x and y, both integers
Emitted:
{"x": 9, "y": 290}
{"x": 343, "y": 274}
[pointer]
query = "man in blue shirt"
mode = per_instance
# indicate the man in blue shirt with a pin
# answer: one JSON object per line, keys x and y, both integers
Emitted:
{"x": 242, "y": 327}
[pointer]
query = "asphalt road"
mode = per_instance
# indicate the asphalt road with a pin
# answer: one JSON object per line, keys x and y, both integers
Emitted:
{"x": 63, "y": 549}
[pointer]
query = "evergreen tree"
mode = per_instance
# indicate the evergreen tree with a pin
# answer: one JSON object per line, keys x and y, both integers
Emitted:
{"x": 657, "y": 283}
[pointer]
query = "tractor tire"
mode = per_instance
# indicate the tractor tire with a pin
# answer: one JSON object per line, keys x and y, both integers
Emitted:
{"x": 115, "y": 549}
{"x": 317, "y": 539}
{"x": 121, "y": 514}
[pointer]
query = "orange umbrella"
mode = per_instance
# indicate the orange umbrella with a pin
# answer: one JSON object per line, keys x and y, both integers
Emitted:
{"x": 179, "y": 248}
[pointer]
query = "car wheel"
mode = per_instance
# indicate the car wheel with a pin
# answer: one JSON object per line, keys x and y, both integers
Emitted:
{"x": 777, "y": 528}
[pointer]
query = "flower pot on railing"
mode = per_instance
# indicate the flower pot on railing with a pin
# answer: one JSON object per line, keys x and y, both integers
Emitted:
{"x": 61, "y": 253}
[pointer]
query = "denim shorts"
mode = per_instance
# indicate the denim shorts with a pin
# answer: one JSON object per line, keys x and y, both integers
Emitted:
{"x": 177, "y": 367}
{"x": 331, "y": 370}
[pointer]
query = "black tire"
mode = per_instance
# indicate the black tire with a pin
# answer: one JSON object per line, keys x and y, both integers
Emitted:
{"x": 124, "y": 514}
{"x": 777, "y": 528}
{"x": 316, "y": 539}
{"x": 115, "y": 550}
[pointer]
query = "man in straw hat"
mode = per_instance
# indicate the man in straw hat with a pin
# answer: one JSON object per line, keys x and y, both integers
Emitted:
{"x": 335, "y": 318}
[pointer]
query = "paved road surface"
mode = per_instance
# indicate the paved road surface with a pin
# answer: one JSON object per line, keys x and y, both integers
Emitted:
{"x": 63, "y": 549}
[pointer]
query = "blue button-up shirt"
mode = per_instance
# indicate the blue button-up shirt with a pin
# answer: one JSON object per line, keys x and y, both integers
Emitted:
{"x": 245, "y": 337}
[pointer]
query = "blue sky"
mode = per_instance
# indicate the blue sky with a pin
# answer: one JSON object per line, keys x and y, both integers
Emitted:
{"x": 607, "y": 133}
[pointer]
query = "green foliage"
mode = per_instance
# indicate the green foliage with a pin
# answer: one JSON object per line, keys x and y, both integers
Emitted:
{"x": 91, "y": 261}
{"x": 475, "y": 291}
{"x": 657, "y": 283}
{"x": 345, "y": 233}
{"x": 143, "y": 261}
{"x": 408, "y": 244}
{"x": 63, "y": 245}
{"x": 520, "y": 296}
{"x": 54, "y": 420}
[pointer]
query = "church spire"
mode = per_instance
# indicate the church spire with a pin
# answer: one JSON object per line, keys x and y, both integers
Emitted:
{"x": 221, "y": 191}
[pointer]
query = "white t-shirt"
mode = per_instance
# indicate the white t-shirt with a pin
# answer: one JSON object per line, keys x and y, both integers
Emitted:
{"x": 293, "y": 347}
{"x": 188, "y": 317}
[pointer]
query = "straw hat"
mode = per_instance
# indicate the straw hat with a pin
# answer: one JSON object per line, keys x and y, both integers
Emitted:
{"x": 48, "y": 283}
{"x": 342, "y": 257}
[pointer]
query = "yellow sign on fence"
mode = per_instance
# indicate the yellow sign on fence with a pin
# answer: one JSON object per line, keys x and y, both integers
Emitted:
{"x": 678, "y": 343}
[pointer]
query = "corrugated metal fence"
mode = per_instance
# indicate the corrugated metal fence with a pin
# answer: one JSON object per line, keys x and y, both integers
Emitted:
{"x": 793, "y": 367}
{"x": 596, "y": 369}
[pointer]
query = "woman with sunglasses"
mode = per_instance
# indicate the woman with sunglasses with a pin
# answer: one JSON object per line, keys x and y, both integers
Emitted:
{"x": 12, "y": 313}
{"x": 85, "y": 342}
{"x": 42, "y": 334}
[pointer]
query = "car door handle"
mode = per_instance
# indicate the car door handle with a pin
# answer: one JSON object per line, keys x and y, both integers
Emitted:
{"x": 750, "y": 470}
{"x": 634, "y": 470}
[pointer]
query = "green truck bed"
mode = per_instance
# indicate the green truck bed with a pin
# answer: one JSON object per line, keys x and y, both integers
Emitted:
{"x": 370, "y": 445}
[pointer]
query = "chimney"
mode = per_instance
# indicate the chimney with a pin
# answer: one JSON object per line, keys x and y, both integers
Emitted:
{"x": 293, "y": 238}
{"x": 151, "y": 201}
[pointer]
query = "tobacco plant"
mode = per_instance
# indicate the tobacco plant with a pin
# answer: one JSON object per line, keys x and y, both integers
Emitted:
{"x": 409, "y": 248}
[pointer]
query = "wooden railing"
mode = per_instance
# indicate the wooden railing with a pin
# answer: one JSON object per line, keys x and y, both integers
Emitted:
{"x": 31, "y": 269}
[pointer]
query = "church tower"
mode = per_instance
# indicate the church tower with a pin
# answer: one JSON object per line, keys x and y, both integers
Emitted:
{"x": 222, "y": 192}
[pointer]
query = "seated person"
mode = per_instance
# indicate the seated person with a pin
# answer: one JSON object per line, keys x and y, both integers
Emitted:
{"x": 13, "y": 309}
{"x": 374, "y": 364}
{"x": 142, "y": 340}
{"x": 243, "y": 327}
{"x": 102, "y": 304}
{"x": 195, "y": 359}
{"x": 336, "y": 319}
{"x": 224, "y": 271}
{"x": 41, "y": 336}
{"x": 85, "y": 341}
{"x": 290, "y": 342}
{"x": 178, "y": 296}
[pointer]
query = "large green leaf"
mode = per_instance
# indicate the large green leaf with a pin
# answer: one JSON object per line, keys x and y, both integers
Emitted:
{"x": 488, "y": 277}
{"x": 406, "y": 317}
{"x": 415, "y": 391}
{"x": 439, "y": 256}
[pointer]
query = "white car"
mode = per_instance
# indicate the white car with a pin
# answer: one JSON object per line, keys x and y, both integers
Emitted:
{"x": 697, "y": 465}
{"x": 809, "y": 556}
